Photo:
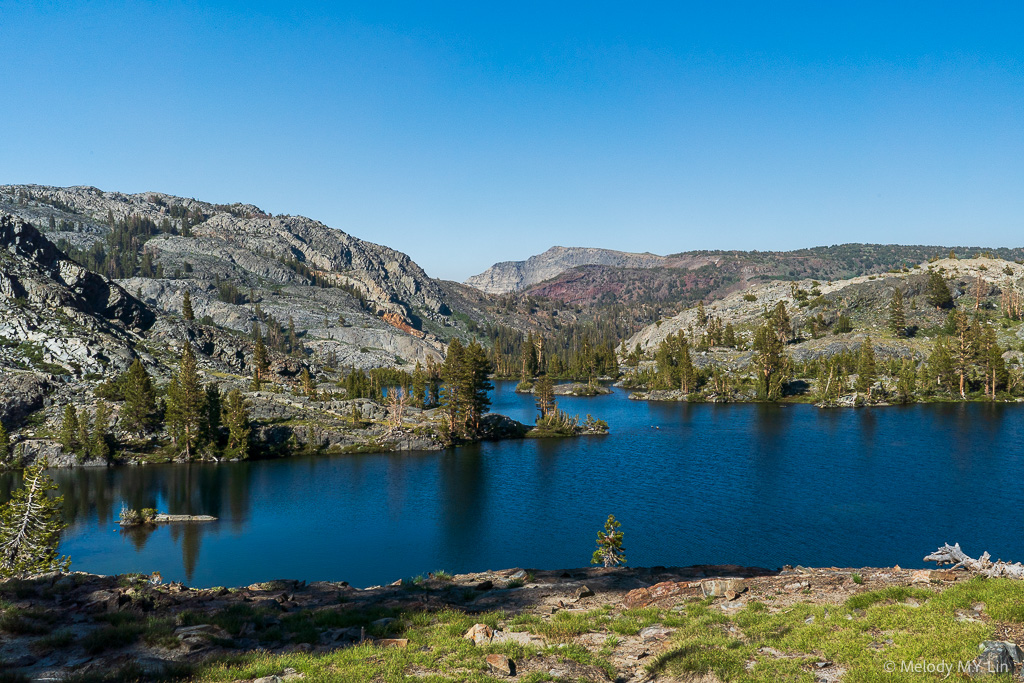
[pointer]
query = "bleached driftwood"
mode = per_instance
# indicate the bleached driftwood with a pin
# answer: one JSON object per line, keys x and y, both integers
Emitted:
{"x": 952, "y": 554}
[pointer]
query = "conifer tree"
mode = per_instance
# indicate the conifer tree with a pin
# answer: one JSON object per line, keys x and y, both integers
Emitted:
{"x": 308, "y": 384}
{"x": 239, "y": 430}
{"x": 965, "y": 345}
{"x": 897, "y": 317}
{"x": 99, "y": 442}
{"x": 609, "y": 551}
{"x": 138, "y": 412}
{"x": 419, "y": 386}
{"x": 5, "y": 445}
{"x": 781, "y": 322}
{"x": 69, "y": 429}
{"x": 992, "y": 364}
{"x": 866, "y": 368}
{"x": 293, "y": 343}
{"x": 260, "y": 360}
{"x": 843, "y": 324}
{"x": 770, "y": 361}
{"x": 465, "y": 400}
{"x": 530, "y": 364}
{"x": 478, "y": 400}
{"x": 940, "y": 366}
{"x": 451, "y": 400}
{"x": 830, "y": 381}
{"x": 30, "y": 527}
{"x": 729, "y": 336}
{"x": 939, "y": 295}
{"x": 186, "y": 307}
{"x": 84, "y": 438}
{"x": 213, "y": 411}
{"x": 906, "y": 381}
{"x": 544, "y": 396}
{"x": 187, "y": 418}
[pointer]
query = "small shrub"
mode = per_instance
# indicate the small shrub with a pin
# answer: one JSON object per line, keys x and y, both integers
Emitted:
{"x": 130, "y": 517}
{"x": 858, "y": 579}
{"x": 749, "y": 297}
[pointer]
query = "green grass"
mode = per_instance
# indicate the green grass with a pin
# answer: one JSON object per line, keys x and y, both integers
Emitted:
{"x": 895, "y": 624}
{"x": 435, "y": 644}
{"x": 852, "y": 635}
{"x": 26, "y": 622}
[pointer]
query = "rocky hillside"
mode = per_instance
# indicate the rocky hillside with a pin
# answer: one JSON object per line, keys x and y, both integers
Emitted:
{"x": 864, "y": 299}
{"x": 513, "y": 276}
{"x": 679, "y": 280}
{"x": 370, "y": 305}
{"x": 68, "y": 333}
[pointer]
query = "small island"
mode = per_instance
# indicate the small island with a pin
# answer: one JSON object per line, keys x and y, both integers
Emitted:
{"x": 149, "y": 516}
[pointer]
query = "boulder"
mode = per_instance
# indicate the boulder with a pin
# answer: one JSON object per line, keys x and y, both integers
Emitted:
{"x": 501, "y": 665}
{"x": 480, "y": 634}
{"x": 719, "y": 587}
{"x": 643, "y": 597}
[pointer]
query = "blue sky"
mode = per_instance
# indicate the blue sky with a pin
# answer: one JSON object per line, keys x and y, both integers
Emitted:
{"x": 468, "y": 134}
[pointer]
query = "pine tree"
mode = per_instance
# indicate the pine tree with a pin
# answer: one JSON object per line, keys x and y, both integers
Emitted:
{"x": 419, "y": 386}
{"x": 729, "y": 336}
{"x": 260, "y": 360}
{"x": 186, "y": 307}
{"x": 544, "y": 396}
{"x": 293, "y": 343}
{"x": 308, "y": 384}
{"x": 940, "y": 366}
{"x": 451, "y": 400}
{"x": 843, "y": 324}
{"x": 770, "y": 362}
{"x": 609, "y": 551}
{"x": 213, "y": 411}
{"x": 239, "y": 430}
{"x": 476, "y": 385}
{"x": 992, "y": 362}
{"x": 99, "y": 442}
{"x": 939, "y": 295}
{"x": 866, "y": 368}
{"x": 5, "y": 445}
{"x": 30, "y": 527}
{"x": 465, "y": 398}
{"x": 84, "y": 437}
{"x": 69, "y": 429}
{"x": 139, "y": 407}
{"x": 965, "y": 345}
{"x": 906, "y": 382}
{"x": 187, "y": 419}
{"x": 781, "y": 322}
{"x": 897, "y": 318}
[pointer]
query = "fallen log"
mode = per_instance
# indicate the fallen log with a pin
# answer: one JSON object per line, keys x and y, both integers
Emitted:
{"x": 952, "y": 554}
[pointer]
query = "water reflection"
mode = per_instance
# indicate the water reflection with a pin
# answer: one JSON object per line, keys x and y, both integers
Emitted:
{"x": 801, "y": 484}
{"x": 95, "y": 497}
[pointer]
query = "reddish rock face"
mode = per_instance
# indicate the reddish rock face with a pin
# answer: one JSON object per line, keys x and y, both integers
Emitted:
{"x": 643, "y": 597}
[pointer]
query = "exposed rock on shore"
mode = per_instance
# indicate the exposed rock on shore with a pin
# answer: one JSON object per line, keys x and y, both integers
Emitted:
{"x": 620, "y": 624}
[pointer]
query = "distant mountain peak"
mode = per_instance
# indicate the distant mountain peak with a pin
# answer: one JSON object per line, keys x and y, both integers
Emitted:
{"x": 512, "y": 276}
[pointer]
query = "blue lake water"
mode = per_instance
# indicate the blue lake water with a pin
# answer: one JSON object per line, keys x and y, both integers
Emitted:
{"x": 704, "y": 484}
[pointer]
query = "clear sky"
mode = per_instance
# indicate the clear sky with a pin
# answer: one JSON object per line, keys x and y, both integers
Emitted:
{"x": 468, "y": 134}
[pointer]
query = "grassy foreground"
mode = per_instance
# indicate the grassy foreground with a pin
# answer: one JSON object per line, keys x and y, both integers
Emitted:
{"x": 893, "y": 625}
{"x": 834, "y": 626}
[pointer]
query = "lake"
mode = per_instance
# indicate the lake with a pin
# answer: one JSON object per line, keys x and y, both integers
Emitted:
{"x": 749, "y": 484}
